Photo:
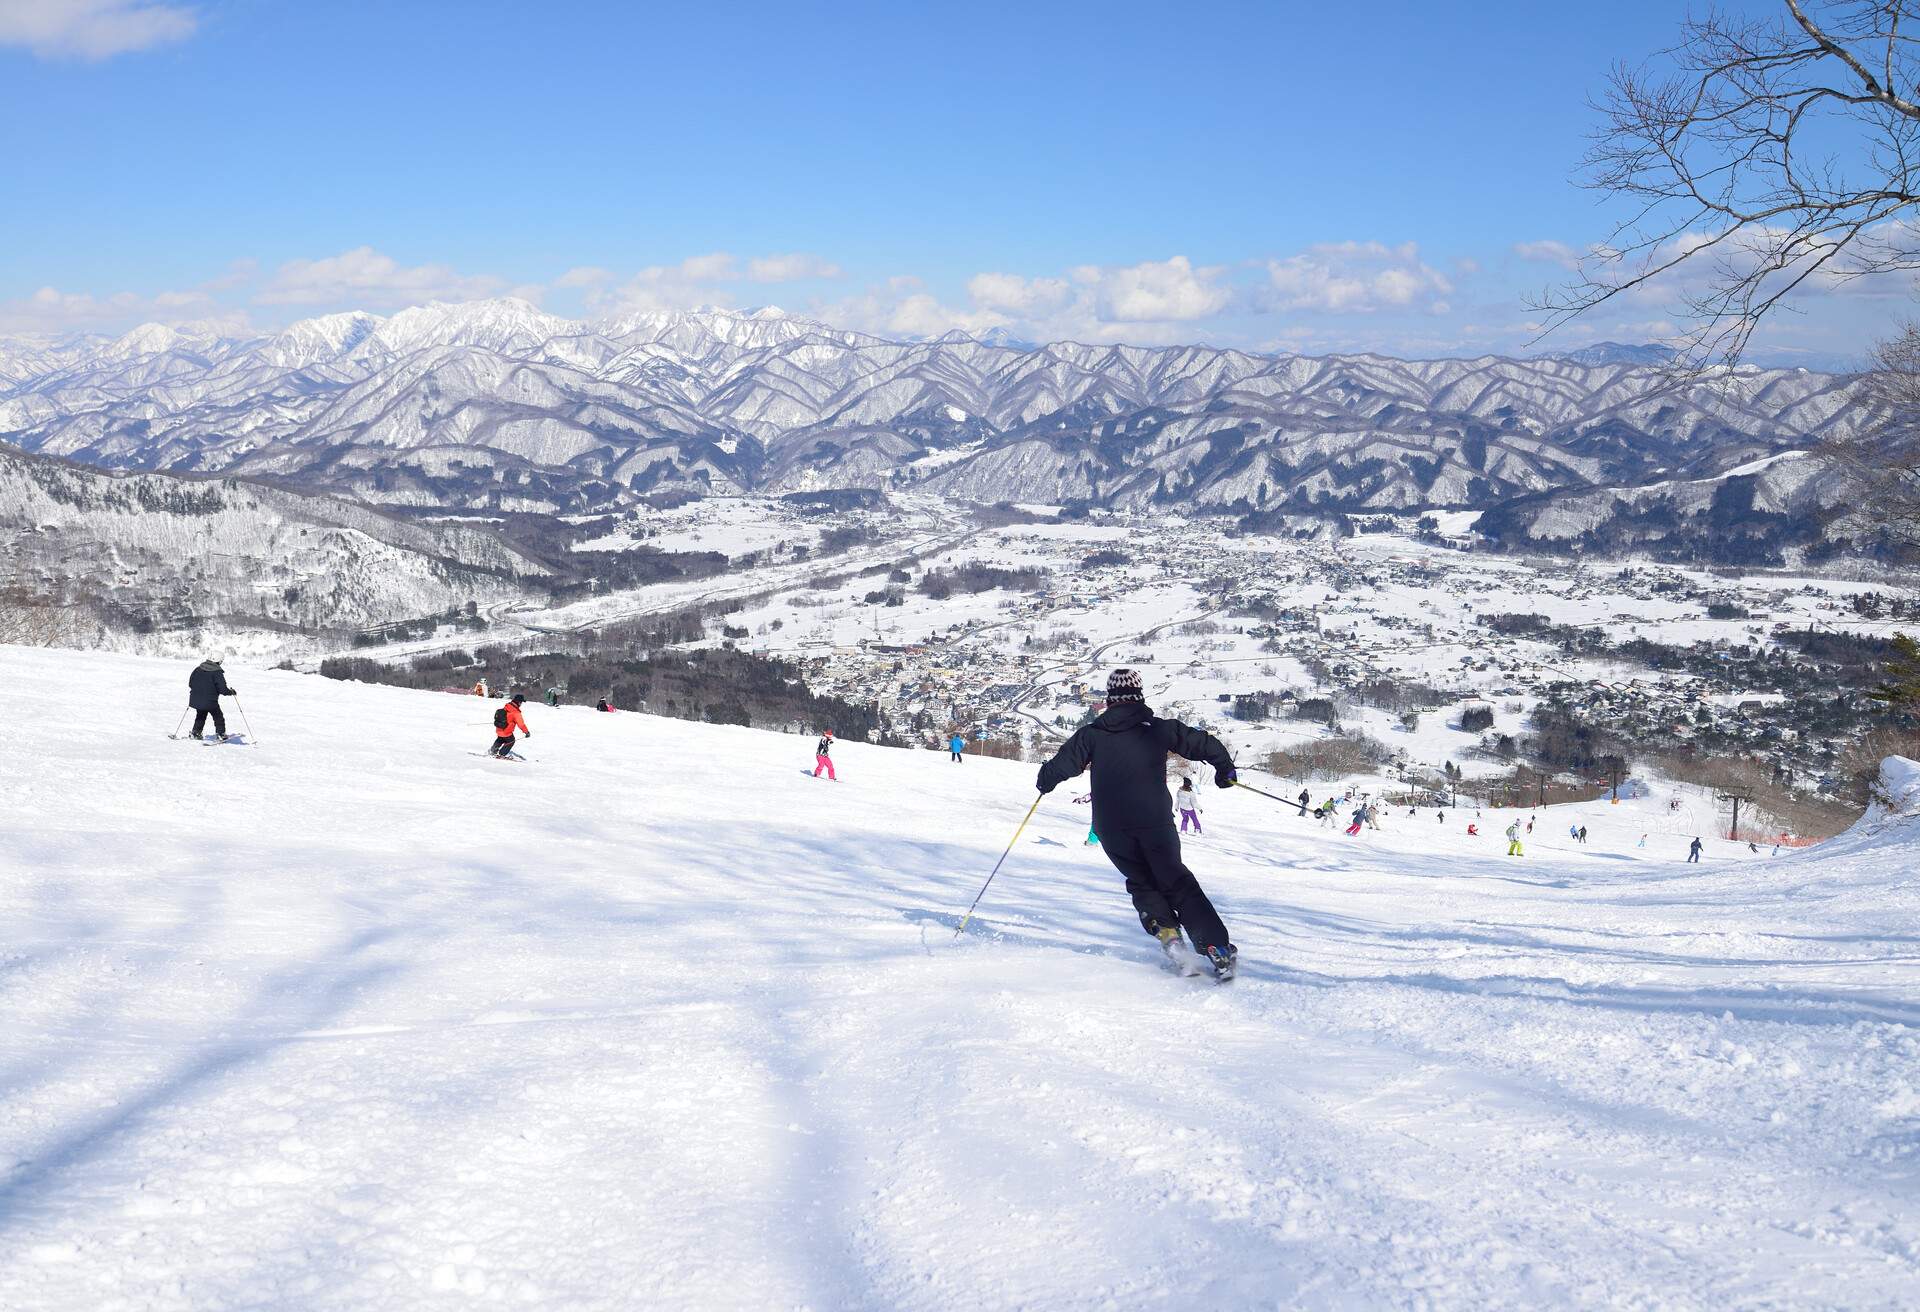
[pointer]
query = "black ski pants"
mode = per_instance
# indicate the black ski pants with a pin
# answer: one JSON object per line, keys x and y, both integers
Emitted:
{"x": 502, "y": 744}
{"x": 1163, "y": 890}
{"x": 200, "y": 720}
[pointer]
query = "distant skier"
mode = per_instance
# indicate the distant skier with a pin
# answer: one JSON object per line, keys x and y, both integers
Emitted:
{"x": 1093, "y": 839}
{"x": 604, "y": 705}
{"x": 956, "y": 745}
{"x": 822, "y": 758}
{"x": 205, "y": 687}
{"x": 507, "y": 718}
{"x": 1306, "y": 800}
{"x": 1582, "y": 835}
{"x": 480, "y": 688}
{"x": 1693, "y": 851}
{"x": 1473, "y": 831}
{"x": 1188, "y": 803}
{"x": 1513, "y": 840}
{"x": 1126, "y": 748}
{"x": 1443, "y": 817}
{"x": 1642, "y": 842}
{"x": 1359, "y": 819}
{"x": 553, "y": 696}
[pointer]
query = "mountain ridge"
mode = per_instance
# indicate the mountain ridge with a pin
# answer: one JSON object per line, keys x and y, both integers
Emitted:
{"x": 496, "y": 404}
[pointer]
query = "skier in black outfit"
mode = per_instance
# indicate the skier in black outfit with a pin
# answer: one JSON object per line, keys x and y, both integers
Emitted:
{"x": 1133, "y": 813}
{"x": 205, "y": 687}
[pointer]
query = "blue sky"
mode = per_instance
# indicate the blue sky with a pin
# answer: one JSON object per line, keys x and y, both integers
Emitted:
{"x": 1393, "y": 176}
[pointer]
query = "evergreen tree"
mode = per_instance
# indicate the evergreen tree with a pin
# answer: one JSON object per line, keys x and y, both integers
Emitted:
{"x": 1900, "y": 691}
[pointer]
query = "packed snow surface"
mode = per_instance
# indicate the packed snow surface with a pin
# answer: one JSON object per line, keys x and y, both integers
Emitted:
{"x": 354, "y": 1018}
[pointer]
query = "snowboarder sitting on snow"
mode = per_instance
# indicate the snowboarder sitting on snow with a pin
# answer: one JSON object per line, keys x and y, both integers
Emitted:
{"x": 1473, "y": 831}
{"x": 205, "y": 687}
{"x": 603, "y": 705}
{"x": 1126, "y": 748}
{"x": 507, "y": 718}
{"x": 821, "y": 760}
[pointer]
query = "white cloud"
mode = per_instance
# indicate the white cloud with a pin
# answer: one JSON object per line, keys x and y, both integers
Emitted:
{"x": 585, "y": 275}
{"x": 1548, "y": 252}
{"x": 363, "y": 278}
{"x": 50, "y": 310}
{"x": 696, "y": 281}
{"x": 1156, "y": 291}
{"x": 1356, "y": 277}
{"x": 1009, "y": 293}
{"x": 903, "y": 307}
{"x": 92, "y": 29}
{"x": 795, "y": 267}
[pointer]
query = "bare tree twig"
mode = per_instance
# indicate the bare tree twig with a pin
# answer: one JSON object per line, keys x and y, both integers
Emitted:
{"x": 1766, "y": 157}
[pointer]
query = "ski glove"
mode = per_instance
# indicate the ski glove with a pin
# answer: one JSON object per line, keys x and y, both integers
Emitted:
{"x": 1225, "y": 778}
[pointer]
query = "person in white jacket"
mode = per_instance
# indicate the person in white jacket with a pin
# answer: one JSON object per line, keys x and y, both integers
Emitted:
{"x": 1187, "y": 802}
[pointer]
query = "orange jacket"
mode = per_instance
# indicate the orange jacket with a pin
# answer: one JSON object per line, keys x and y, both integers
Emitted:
{"x": 514, "y": 721}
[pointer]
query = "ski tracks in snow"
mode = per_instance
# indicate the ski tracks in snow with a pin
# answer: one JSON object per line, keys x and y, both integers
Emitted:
{"x": 349, "y": 1022}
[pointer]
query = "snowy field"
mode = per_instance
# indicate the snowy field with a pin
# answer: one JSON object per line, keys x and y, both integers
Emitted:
{"x": 356, "y": 1019}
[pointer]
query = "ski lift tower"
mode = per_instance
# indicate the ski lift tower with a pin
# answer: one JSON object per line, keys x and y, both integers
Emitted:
{"x": 1738, "y": 797}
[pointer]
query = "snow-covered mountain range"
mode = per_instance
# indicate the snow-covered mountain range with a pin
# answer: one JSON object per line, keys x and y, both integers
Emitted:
{"x": 498, "y": 404}
{"x": 157, "y": 550}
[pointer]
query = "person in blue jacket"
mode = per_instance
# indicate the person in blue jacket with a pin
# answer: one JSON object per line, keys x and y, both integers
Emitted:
{"x": 205, "y": 687}
{"x": 1126, "y": 749}
{"x": 956, "y": 745}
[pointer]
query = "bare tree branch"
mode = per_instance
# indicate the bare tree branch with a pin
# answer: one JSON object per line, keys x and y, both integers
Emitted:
{"x": 1765, "y": 157}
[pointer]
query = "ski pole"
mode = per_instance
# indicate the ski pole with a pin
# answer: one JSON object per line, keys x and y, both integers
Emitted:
{"x": 997, "y": 864}
{"x": 182, "y": 722}
{"x": 1301, "y": 808}
{"x": 243, "y": 716}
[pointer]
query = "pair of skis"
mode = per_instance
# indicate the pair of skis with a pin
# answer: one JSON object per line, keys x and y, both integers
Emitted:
{"x": 231, "y": 740}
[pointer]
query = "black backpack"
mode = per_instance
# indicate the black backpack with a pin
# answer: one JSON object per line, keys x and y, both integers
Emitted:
{"x": 500, "y": 716}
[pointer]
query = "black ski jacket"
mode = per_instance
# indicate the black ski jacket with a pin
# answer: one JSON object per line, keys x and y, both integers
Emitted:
{"x": 1127, "y": 748}
{"x": 206, "y": 686}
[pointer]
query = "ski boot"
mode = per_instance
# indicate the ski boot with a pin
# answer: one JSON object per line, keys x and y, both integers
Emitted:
{"x": 1180, "y": 958}
{"x": 1226, "y": 962}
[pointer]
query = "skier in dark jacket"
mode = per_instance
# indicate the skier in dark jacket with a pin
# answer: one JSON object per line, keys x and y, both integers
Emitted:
{"x": 1127, "y": 750}
{"x": 205, "y": 687}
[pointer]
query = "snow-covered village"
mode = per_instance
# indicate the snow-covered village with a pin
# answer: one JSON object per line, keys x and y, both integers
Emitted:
{"x": 908, "y": 658}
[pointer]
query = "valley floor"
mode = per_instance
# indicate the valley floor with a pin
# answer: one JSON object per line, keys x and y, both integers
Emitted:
{"x": 354, "y": 1018}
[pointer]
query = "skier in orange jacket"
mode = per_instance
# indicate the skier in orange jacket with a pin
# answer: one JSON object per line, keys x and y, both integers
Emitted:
{"x": 506, "y": 719}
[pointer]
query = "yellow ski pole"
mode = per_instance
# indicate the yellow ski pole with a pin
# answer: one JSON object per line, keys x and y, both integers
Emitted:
{"x": 997, "y": 864}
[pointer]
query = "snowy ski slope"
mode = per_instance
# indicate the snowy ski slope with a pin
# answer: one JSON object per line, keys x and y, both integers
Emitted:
{"x": 356, "y": 1019}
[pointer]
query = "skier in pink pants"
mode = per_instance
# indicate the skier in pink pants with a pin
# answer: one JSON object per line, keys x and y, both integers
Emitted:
{"x": 821, "y": 760}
